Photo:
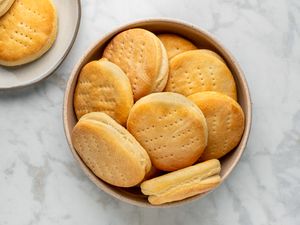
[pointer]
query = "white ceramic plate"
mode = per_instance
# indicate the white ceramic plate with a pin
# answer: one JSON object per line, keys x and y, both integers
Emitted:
{"x": 69, "y": 13}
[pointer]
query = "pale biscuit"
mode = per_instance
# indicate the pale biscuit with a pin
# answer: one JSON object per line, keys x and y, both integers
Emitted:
{"x": 5, "y": 6}
{"x": 175, "y": 44}
{"x": 110, "y": 151}
{"x": 27, "y": 31}
{"x": 103, "y": 87}
{"x": 225, "y": 121}
{"x": 171, "y": 128}
{"x": 183, "y": 183}
{"x": 143, "y": 58}
{"x": 195, "y": 71}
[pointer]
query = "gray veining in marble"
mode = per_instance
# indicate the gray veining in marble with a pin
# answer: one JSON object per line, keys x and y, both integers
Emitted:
{"x": 40, "y": 182}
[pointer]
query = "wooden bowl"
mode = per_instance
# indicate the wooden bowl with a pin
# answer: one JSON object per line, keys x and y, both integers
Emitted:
{"x": 200, "y": 38}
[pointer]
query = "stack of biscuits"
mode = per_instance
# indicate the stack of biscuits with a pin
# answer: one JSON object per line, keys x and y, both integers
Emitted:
{"x": 157, "y": 112}
{"x": 28, "y": 29}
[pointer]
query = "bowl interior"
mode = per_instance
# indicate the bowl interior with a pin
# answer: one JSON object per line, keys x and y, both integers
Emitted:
{"x": 202, "y": 40}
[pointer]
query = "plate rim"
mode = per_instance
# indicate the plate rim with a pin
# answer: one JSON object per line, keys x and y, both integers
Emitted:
{"x": 60, "y": 61}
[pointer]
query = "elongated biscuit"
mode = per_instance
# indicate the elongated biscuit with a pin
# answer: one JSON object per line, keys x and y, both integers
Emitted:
{"x": 103, "y": 87}
{"x": 182, "y": 183}
{"x": 170, "y": 127}
{"x": 195, "y": 71}
{"x": 27, "y": 31}
{"x": 143, "y": 58}
{"x": 225, "y": 121}
{"x": 175, "y": 44}
{"x": 110, "y": 151}
{"x": 5, "y": 6}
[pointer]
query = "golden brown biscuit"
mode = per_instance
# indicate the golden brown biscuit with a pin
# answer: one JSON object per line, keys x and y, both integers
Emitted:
{"x": 109, "y": 150}
{"x": 212, "y": 53}
{"x": 143, "y": 58}
{"x": 183, "y": 183}
{"x": 195, "y": 71}
{"x": 103, "y": 87}
{"x": 5, "y": 6}
{"x": 225, "y": 121}
{"x": 27, "y": 31}
{"x": 170, "y": 127}
{"x": 175, "y": 44}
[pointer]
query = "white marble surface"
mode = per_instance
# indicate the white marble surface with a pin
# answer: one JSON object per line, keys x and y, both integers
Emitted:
{"x": 40, "y": 183}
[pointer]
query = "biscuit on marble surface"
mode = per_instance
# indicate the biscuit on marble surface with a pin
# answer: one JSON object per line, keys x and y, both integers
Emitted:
{"x": 175, "y": 44}
{"x": 183, "y": 183}
{"x": 27, "y": 31}
{"x": 103, "y": 87}
{"x": 143, "y": 58}
{"x": 170, "y": 127}
{"x": 109, "y": 150}
{"x": 5, "y": 6}
{"x": 225, "y": 122}
{"x": 195, "y": 71}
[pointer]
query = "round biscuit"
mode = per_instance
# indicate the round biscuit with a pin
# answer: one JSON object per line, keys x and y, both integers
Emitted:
{"x": 140, "y": 54}
{"x": 171, "y": 128}
{"x": 212, "y": 53}
{"x": 103, "y": 87}
{"x": 225, "y": 122}
{"x": 5, "y": 6}
{"x": 195, "y": 71}
{"x": 175, "y": 44}
{"x": 29, "y": 26}
{"x": 162, "y": 77}
{"x": 110, "y": 151}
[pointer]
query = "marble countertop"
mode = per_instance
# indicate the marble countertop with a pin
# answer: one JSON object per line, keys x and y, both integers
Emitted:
{"x": 40, "y": 182}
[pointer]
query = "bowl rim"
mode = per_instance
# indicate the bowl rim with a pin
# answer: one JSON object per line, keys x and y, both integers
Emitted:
{"x": 55, "y": 67}
{"x": 207, "y": 35}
